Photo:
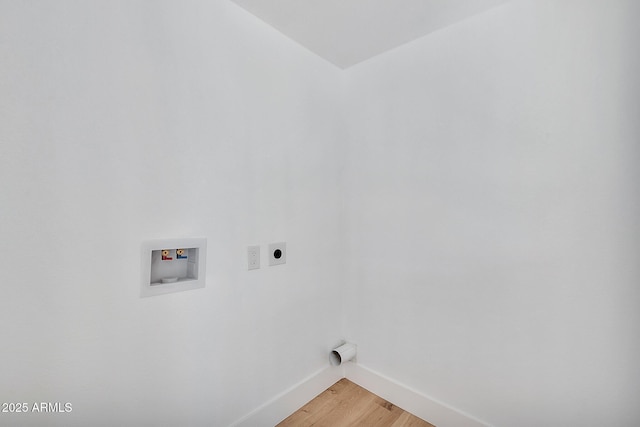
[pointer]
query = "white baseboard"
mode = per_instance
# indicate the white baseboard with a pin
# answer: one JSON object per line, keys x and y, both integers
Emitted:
{"x": 281, "y": 406}
{"x": 286, "y": 403}
{"x": 410, "y": 400}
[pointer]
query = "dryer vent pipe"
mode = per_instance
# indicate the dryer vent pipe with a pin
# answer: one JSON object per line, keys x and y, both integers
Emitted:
{"x": 344, "y": 353}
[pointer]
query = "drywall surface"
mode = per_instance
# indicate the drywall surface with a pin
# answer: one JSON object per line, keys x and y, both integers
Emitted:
{"x": 491, "y": 199}
{"x": 493, "y": 210}
{"x": 127, "y": 121}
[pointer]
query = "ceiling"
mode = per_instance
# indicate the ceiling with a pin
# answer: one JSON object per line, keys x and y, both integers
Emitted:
{"x": 346, "y": 32}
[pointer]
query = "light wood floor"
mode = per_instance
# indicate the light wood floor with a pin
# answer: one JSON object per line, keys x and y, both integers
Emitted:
{"x": 346, "y": 404}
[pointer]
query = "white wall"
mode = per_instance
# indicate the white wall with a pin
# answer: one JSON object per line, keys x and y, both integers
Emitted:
{"x": 491, "y": 205}
{"x": 493, "y": 208}
{"x": 125, "y": 121}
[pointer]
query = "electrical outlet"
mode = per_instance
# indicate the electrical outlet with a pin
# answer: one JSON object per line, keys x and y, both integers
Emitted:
{"x": 278, "y": 253}
{"x": 253, "y": 257}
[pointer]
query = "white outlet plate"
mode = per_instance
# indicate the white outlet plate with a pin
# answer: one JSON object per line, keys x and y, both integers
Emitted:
{"x": 253, "y": 257}
{"x": 277, "y": 253}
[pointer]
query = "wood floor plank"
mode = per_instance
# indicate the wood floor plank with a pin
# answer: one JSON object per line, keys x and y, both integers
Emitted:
{"x": 352, "y": 404}
{"x": 324, "y": 403}
{"x": 383, "y": 414}
{"x": 410, "y": 420}
{"x": 346, "y": 404}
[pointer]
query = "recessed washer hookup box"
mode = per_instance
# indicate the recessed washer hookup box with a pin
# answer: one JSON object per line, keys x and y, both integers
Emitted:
{"x": 173, "y": 265}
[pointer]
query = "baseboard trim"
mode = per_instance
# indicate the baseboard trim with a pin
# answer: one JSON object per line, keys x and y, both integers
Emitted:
{"x": 437, "y": 413}
{"x": 284, "y": 404}
{"x": 281, "y": 406}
